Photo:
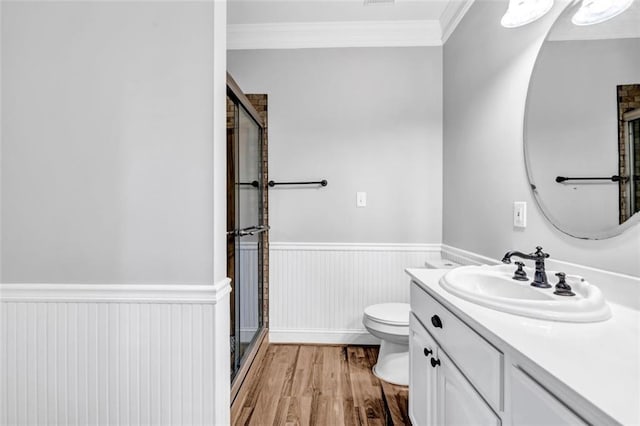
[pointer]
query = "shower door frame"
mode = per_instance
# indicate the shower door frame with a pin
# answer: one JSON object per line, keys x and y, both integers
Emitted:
{"x": 629, "y": 118}
{"x": 260, "y": 342}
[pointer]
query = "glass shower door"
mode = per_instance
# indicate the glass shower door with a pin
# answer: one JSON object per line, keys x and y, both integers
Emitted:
{"x": 247, "y": 320}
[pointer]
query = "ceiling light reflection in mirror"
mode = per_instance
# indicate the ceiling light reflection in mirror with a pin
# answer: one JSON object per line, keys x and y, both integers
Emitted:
{"x": 596, "y": 11}
{"x": 523, "y": 12}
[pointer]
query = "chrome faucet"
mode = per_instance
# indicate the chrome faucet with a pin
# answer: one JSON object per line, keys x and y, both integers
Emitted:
{"x": 540, "y": 276}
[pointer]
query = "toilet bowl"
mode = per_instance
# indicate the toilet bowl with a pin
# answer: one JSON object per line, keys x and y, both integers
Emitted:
{"x": 389, "y": 322}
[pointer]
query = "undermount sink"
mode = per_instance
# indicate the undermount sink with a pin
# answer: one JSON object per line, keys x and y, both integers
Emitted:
{"x": 493, "y": 287}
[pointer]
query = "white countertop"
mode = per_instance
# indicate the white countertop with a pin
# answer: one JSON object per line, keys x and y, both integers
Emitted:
{"x": 599, "y": 361}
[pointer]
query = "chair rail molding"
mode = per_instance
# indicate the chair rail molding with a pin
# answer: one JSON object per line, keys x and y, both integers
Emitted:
{"x": 116, "y": 293}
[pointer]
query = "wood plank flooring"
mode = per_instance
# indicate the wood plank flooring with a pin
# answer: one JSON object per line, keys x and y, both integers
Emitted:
{"x": 318, "y": 385}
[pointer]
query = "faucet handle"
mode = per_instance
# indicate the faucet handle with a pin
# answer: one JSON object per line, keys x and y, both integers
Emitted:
{"x": 562, "y": 288}
{"x": 540, "y": 253}
{"x": 520, "y": 274}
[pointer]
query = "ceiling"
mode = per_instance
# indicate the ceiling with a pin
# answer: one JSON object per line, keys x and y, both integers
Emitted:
{"x": 264, "y": 24}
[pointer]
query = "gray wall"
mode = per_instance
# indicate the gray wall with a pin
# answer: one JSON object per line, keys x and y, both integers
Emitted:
{"x": 107, "y": 142}
{"x": 486, "y": 74}
{"x": 365, "y": 119}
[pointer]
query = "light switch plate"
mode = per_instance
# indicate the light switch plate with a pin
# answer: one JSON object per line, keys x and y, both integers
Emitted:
{"x": 361, "y": 199}
{"x": 520, "y": 214}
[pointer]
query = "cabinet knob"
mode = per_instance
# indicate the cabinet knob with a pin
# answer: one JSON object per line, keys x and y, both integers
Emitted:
{"x": 435, "y": 320}
{"x": 427, "y": 352}
{"x": 435, "y": 362}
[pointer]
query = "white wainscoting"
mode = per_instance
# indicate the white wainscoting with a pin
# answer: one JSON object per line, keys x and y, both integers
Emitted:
{"x": 114, "y": 354}
{"x": 318, "y": 292}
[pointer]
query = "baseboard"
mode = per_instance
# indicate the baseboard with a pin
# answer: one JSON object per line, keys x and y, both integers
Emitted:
{"x": 331, "y": 337}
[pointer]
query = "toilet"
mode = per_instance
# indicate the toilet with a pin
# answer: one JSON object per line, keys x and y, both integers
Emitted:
{"x": 389, "y": 322}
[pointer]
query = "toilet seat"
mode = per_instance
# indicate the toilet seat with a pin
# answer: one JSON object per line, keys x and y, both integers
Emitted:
{"x": 389, "y": 322}
{"x": 389, "y": 313}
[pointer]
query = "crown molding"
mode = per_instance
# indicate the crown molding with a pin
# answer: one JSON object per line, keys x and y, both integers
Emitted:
{"x": 304, "y": 35}
{"x": 452, "y": 16}
{"x": 333, "y": 34}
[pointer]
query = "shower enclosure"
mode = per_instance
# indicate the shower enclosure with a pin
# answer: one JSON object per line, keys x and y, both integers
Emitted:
{"x": 246, "y": 227}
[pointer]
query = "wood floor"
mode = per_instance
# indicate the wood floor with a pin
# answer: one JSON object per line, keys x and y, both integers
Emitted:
{"x": 318, "y": 385}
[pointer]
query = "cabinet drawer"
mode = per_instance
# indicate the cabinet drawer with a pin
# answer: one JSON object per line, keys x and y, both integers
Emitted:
{"x": 480, "y": 362}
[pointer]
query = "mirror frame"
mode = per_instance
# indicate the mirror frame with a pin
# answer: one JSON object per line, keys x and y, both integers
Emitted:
{"x": 596, "y": 235}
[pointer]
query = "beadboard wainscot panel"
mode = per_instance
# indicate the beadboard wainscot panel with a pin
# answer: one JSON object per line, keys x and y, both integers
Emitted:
{"x": 77, "y": 354}
{"x": 318, "y": 291}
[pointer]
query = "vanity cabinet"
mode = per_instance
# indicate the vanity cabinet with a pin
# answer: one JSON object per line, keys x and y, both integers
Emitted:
{"x": 439, "y": 394}
{"x": 457, "y": 377}
{"x": 480, "y": 362}
{"x": 532, "y": 405}
{"x": 422, "y": 348}
{"x": 458, "y": 403}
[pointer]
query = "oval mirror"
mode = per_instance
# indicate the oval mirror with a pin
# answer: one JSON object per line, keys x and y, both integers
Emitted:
{"x": 582, "y": 125}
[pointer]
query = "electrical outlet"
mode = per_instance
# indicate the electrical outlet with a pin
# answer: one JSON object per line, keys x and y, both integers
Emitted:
{"x": 520, "y": 214}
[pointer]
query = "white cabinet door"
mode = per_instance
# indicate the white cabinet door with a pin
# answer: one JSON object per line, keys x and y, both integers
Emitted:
{"x": 458, "y": 402}
{"x": 531, "y": 404}
{"x": 422, "y": 378}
